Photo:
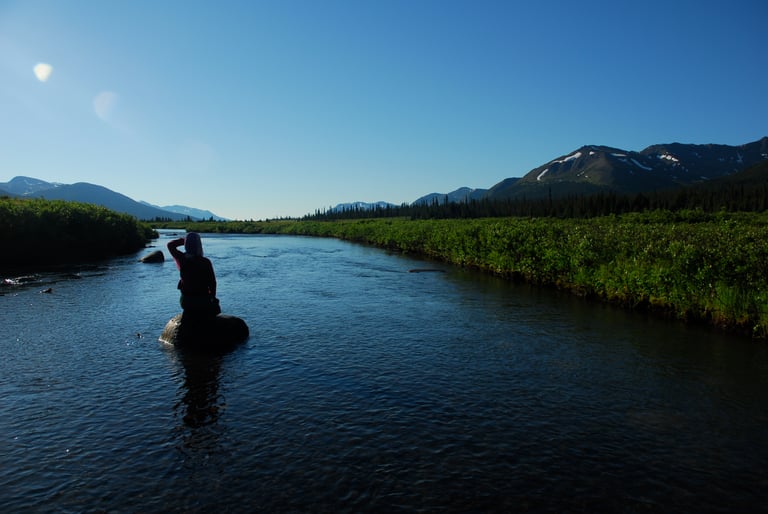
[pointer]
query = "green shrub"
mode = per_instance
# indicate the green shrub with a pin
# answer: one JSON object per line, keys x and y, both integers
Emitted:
{"x": 36, "y": 231}
{"x": 695, "y": 266}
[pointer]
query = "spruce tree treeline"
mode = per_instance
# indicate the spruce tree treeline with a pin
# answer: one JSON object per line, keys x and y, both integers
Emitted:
{"x": 746, "y": 196}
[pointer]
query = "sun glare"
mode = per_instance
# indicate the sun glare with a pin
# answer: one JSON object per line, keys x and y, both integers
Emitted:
{"x": 104, "y": 104}
{"x": 42, "y": 71}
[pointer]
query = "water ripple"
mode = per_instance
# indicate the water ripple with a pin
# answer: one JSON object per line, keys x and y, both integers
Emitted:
{"x": 365, "y": 388}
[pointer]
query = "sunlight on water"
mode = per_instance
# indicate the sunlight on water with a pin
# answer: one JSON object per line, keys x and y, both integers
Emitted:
{"x": 364, "y": 387}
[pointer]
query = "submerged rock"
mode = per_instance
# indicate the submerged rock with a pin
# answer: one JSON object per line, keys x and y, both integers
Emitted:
{"x": 156, "y": 256}
{"x": 214, "y": 333}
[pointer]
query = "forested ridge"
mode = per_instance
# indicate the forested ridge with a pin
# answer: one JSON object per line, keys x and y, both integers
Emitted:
{"x": 743, "y": 192}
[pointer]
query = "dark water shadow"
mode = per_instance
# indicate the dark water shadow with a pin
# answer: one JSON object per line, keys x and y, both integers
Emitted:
{"x": 200, "y": 402}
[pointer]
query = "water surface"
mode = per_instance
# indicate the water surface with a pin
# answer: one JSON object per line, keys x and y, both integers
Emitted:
{"x": 364, "y": 387}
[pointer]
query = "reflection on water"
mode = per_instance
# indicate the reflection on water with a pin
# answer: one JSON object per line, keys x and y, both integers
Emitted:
{"x": 199, "y": 406}
{"x": 365, "y": 387}
{"x": 201, "y": 402}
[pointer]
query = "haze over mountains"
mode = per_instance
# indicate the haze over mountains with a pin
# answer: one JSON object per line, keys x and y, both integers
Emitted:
{"x": 589, "y": 169}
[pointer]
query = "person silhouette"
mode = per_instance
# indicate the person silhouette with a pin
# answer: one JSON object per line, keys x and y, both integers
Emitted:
{"x": 198, "y": 280}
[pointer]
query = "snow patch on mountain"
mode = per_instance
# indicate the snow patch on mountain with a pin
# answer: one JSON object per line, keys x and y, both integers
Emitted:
{"x": 569, "y": 158}
{"x": 363, "y": 206}
{"x": 669, "y": 157}
{"x": 641, "y": 166}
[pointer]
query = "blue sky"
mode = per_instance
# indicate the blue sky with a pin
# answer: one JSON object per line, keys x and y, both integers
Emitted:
{"x": 261, "y": 109}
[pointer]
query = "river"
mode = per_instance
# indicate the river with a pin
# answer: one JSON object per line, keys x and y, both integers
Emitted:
{"x": 366, "y": 387}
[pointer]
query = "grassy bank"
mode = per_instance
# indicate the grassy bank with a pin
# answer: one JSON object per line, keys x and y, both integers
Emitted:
{"x": 710, "y": 268}
{"x": 36, "y": 231}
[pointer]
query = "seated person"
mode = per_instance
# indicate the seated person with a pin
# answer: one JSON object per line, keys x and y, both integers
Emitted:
{"x": 198, "y": 281}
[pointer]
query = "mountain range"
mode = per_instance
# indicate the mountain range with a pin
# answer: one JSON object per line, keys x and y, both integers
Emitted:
{"x": 90, "y": 193}
{"x": 589, "y": 169}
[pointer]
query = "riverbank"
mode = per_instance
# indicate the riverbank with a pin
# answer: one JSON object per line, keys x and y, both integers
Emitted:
{"x": 691, "y": 266}
{"x": 44, "y": 232}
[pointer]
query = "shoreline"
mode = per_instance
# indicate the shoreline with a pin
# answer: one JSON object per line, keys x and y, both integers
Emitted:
{"x": 711, "y": 271}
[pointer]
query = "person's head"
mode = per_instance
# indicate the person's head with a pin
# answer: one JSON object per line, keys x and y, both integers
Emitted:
{"x": 193, "y": 245}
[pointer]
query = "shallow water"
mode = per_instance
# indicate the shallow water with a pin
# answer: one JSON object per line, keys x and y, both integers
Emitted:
{"x": 364, "y": 387}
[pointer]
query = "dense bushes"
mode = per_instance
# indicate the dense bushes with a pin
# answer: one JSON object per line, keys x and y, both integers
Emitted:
{"x": 692, "y": 265}
{"x": 36, "y": 231}
{"x": 710, "y": 268}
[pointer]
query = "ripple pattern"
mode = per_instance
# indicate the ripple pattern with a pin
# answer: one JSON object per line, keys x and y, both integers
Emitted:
{"x": 366, "y": 388}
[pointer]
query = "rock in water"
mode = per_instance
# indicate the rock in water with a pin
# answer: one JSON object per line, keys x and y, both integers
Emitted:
{"x": 219, "y": 332}
{"x": 156, "y": 256}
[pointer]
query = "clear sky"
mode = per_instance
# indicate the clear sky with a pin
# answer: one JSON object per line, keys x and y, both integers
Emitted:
{"x": 259, "y": 109}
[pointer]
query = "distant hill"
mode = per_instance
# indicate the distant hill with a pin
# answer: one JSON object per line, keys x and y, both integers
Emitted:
{"x": 589, "y": 169}
{"x": 363, "y": 206}
{"x": 99, "y": 195}
{"x": 193, "y": 213}
{"x": 463, "y": 194}
{"x": 593, "y": 169}
{"x": 754, "y": 175}
{"x": 27, "y": 186}
{"x": 86, "y": 193}
{"x": 601, "y": 168}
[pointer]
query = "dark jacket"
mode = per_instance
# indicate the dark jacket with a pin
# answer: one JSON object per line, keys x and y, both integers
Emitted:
{"x": 197, "y": 276}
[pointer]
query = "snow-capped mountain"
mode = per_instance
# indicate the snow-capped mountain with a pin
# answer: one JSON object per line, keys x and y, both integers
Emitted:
{"x": 362, "y": 206}
{"x": 595, "y": 168}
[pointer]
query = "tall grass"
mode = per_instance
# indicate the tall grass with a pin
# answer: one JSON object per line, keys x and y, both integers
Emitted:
{"x": 697, "y": 267}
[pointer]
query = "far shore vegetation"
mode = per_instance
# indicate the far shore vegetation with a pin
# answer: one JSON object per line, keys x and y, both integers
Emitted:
{"x": 689, "y": 265}
{"x": 699, "y": 255}
{"x": 36, "y": 232}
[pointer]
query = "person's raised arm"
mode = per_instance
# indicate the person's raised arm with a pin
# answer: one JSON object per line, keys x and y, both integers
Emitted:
{"x": 173, "y": 248}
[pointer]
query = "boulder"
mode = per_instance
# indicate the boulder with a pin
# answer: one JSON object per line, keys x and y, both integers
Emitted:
{"x": 156, "y": 256}
{"x": 210, "y": 333}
